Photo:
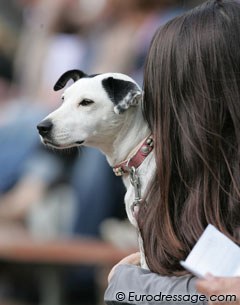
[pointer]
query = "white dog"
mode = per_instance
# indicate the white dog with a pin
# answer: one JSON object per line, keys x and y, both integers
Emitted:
{"x": 104, "y": 111}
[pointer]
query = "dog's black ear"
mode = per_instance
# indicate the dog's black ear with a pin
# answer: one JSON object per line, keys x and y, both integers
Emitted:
{"x": 122, "y": 93}
{"x": 72, "y": 74}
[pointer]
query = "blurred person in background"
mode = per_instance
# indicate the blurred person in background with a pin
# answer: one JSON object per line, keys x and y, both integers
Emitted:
{"x": 28, "y": 170}
{"x": 50, "y": 43}
{"x": 121, "y": 42}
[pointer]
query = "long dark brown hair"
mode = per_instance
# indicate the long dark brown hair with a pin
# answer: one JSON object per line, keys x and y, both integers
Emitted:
{"x": 192, "y": 105}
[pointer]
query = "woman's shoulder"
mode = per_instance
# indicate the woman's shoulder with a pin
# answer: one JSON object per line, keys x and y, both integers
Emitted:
{"x": 135, "y": 285}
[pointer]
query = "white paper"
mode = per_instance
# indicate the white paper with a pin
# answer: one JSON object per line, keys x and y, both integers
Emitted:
{"x": 213, "y": 253}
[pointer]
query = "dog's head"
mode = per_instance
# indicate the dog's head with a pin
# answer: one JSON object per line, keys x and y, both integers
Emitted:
{"x": 92, "y": 108}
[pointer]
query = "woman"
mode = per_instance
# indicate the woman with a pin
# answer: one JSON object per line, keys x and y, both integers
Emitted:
{"x": 191, "y": 103}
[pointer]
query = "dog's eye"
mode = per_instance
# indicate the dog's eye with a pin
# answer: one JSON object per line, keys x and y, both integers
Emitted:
{"x": 86, "y": 102}
{"x": 62, "y": 98}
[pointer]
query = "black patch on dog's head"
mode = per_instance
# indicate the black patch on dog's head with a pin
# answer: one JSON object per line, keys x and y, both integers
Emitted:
{"x": 72, "y": 74}
{"x": 122, "y": 93}
{"x": 117, "y": 89}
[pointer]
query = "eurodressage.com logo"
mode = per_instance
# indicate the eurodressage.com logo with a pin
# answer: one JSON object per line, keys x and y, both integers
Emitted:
{"x": 132, "y": 296}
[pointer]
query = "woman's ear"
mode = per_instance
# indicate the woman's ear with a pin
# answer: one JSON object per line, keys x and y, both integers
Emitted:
{"x": 122, "y": 93}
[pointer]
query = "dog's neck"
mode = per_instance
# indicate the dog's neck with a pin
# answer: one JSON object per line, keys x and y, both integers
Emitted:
{"x": 132, "y": 132}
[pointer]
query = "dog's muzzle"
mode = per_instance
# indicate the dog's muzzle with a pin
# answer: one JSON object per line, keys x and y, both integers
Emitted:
{"x": 44, "y": 128}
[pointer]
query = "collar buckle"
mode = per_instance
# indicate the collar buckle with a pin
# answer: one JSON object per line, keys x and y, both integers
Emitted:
{"x": 136, "y": 160}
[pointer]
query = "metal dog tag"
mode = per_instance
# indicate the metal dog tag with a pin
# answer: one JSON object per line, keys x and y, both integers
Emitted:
{"x": 135, "y": 181}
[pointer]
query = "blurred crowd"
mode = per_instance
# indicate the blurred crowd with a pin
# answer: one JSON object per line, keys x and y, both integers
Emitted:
{"x": 49, "y": 193}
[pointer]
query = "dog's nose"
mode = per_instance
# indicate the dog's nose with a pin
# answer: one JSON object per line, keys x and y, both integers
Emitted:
{"x": 44, "y": 127}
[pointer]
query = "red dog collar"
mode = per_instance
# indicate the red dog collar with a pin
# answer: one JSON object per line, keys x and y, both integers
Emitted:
{"x": 144, "y": 150}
